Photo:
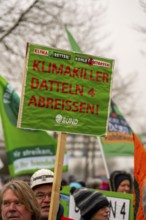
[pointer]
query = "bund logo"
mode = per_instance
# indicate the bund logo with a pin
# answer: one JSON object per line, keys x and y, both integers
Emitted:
{"x": 63, "y": 120}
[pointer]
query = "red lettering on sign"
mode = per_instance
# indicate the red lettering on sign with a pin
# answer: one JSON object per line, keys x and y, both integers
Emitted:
{"x": 59, "y": 104}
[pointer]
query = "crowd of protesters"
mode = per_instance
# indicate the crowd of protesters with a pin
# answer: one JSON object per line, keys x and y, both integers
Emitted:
{"x": 29, "y": 199}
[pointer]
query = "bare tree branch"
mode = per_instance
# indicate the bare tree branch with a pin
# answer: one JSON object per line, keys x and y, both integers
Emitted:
{"x": 13, "y": 27}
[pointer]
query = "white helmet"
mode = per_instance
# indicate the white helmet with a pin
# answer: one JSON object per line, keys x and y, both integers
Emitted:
{"x": 42, "y": 176}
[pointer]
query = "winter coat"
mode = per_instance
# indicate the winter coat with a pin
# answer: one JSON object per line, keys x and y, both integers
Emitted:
{"x": 60, "y": 214}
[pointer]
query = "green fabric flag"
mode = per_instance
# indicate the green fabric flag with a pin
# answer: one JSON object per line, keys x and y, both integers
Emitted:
{"x": 27, "y": 150}
{"x": 119, "y": 139}
{"x": 74, "y": 45}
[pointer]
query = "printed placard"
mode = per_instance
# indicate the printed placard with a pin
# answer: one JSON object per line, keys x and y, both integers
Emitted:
{"x": 119, "y": 209}
{"x": 65, "y": 91}
{"x": 121, "y": 205}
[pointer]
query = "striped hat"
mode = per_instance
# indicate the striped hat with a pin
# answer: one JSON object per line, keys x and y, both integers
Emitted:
{"x": 89, "y": 201}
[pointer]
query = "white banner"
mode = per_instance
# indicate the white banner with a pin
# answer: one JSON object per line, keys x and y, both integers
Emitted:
{"x": 119, "y": 209}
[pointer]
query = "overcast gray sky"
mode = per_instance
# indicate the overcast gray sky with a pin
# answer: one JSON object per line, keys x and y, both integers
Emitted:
{"x": 129, "y": 48}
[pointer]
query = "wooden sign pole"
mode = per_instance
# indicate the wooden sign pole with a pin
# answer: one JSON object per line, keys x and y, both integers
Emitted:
{"x": 57, "y": 176}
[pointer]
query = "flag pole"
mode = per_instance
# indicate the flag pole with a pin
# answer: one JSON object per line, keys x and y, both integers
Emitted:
{"x": 103, "y": 157}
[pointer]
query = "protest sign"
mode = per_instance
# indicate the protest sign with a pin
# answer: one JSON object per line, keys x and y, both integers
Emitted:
{"x": 65, "y": 91}
{"x": 121, "y": 205}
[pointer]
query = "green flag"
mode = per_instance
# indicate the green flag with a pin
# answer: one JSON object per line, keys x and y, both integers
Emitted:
{"x": 74, "y": 45}
{"x": 27, "y": 150}
{"x": 119, "y": 139}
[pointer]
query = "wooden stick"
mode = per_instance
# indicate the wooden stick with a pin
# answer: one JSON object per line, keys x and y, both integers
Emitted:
{"x": 55, "y": 197}
{"x": 103, "y": 157}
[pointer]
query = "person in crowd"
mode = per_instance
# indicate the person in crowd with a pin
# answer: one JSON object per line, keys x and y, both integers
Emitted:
{"x": 121, "y": 181}
{"x": 93, "y": 205}
{"x": 75, "y": 184}
{"x": 94, "y": 183}
{"x": 41, "y": 183}
{"x": 17, "y": 201}
{"x": 144, "y": 199}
